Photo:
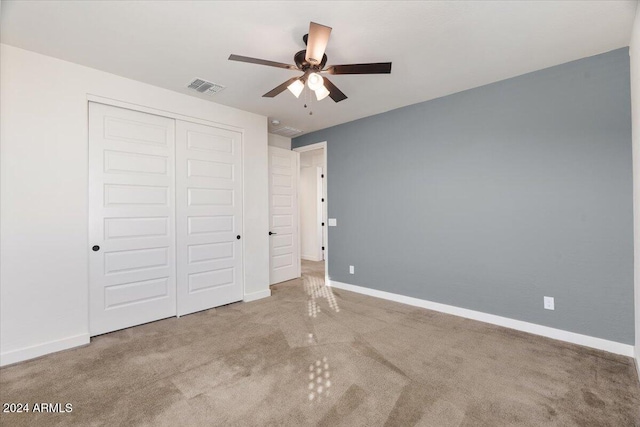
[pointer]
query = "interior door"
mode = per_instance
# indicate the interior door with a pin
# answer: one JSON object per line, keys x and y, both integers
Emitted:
{"x": 131, "y": 218}
{"x": 209, "y": 216}
{"x": 283, "y": 215}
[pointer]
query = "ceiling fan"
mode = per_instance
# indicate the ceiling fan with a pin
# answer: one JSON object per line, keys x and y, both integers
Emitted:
{"x": 311, "y": 62}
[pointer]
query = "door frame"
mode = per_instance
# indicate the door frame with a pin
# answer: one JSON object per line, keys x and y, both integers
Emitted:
{"x": 325, "y": 207}
{"x": 175, "y": 116}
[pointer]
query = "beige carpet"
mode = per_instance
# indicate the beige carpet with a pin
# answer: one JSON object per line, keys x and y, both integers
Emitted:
{"x": 309, "y": 356}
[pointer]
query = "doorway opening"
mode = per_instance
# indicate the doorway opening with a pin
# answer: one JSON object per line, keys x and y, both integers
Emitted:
{"x": 313, "y": 210}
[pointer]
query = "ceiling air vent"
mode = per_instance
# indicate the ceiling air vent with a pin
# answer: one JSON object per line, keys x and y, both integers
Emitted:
{"x": 287, "y": 131}
{"x": 205, "y": 87}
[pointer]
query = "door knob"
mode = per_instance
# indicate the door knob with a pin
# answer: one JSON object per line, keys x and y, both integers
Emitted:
{"x": 238, "y": 237}
{"x": 270, "y": 233}
{"x": 96, "y": 248}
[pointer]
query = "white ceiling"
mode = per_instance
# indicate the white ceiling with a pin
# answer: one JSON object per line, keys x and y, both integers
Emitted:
{"x": 437, "y": 48}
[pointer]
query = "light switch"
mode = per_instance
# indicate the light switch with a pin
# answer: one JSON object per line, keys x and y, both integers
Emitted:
{"x": 549, "y": 303}
{"x": 333, "y": 222}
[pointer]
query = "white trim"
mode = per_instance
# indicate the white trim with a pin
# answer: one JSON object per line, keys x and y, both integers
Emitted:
{"x": 311, "y": 258}
{"x": 257, "y": 295}
{"x": 163, "y": 113}
{"x": 319, "y": 212}
{"x": 299, "y": 274}
{"x": 532, "y": 328}
{"x": 325, "y": 195}
{"x": 311, "y": 147}
{"x": 38, "y": 350}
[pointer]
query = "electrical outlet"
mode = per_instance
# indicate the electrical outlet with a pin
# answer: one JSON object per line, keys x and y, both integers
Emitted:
{"x": 352, "y": 269}
{"x": 333, "y": 222}
{"x": 549, "y": 303}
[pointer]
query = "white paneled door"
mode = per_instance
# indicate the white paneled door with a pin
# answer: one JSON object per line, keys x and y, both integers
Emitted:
{"x": 209, "y": 216}
{"x": 283, "y": 215}
{"x": 131, "y": 218}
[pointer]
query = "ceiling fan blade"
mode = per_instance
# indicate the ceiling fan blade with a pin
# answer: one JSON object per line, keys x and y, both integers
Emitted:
{"x": 374, "y": 68}
{"x": 279, "y": 89}
{"x": 317, "y": 42}
{"x": 335, "y": 93}
{"x": 261, "y": 62}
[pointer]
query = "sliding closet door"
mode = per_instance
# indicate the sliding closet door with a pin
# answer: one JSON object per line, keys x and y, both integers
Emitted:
{"x": 209, "y": 216}
{"x": 131, "y": 218}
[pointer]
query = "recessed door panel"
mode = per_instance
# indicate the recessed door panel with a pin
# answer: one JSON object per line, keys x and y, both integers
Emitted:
{"x": 282, "y": 181}
{"x": 118, "y": 161}
{"x": 282, "y": 201}
{"x": 131, "y": 228}
{"x": 282, "y": 220}
{"x": 283, "y": 241}
{"x": 132, "y": 195}
{"x": 117, "y": 262}
{"x": 282, "y": 261}
{"x": 136, "y": 292}
{"x": 131, "y": 218}
{"x": 207, "y": 141}
{"x": 205, "y": 169}
{"x": 210, "y": 197}
{"x": 210, "y": 280}
{"x": 209, "y": 216}
{"x": 210, "y": 252}
{"x": 136, "y": 130}
{"x": 210, "y": 224}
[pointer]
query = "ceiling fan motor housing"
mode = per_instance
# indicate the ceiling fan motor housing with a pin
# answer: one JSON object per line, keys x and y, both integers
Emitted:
{"x": 303, "y": 65}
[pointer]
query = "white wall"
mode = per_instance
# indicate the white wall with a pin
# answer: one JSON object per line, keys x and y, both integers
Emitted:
{"x": 312, "y": 158}
{"x": 310, "y": 205}
{"x": 279, "y": 141}
{"x": 43, "y": 214}
{"x": 634, "y": 51}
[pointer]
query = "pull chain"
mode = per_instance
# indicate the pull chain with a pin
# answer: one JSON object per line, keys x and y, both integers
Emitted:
{"x": 309, "y": 101}
{"x": 306, "y": 95}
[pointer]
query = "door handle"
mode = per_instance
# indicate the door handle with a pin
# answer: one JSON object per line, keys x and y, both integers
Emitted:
{"x": 96, "y": 248}
{"x": 238, "y": 237}
{"x": 270, "y": 233}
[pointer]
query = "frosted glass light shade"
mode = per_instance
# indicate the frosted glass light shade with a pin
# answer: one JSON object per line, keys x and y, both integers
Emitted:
{"x": 296, "y": 88}
{"x": 321, "y": 93}
{"x": 315, "y": 81}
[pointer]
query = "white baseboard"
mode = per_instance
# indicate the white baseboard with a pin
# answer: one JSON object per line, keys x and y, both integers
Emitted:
{"x": 311, "y": 258}
{"x": 532, "y": 328}
{"x": 257, "y": 295}
{"x": 15, "y": 356}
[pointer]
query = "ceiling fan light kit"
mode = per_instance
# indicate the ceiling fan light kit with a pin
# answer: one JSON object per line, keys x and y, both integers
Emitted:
{"x": 321, "y": 93}
{"x": 315, "y": 81}
{"x": 311, "y": 62}
{"x": 296, "y": 88}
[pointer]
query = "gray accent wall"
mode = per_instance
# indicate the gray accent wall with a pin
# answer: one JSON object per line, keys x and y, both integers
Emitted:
{"x": 491, "y": 198}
